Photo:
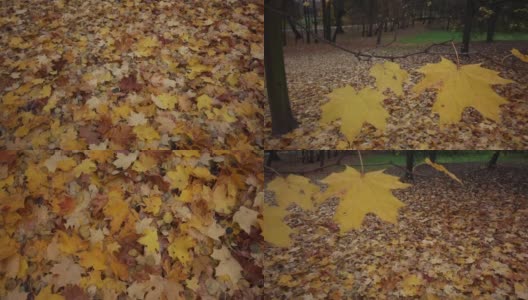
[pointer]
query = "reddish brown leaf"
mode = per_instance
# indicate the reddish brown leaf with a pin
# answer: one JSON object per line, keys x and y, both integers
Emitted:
{"x": 130, "y": 84}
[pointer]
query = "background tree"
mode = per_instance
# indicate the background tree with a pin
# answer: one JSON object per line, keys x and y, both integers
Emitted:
{"x": 279, "y": 102}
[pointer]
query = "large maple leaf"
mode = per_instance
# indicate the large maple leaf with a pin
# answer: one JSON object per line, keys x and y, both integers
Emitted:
{"x": 362, "y": 194}
{"x": 293, "y": 189}
{"x": 389, "y": 75}
{"x": 354, "y": 108}
{"x": 458, "y": 88}
{"x": 274, "y": 229}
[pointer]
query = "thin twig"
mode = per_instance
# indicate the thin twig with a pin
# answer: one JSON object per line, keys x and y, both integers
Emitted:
{"x": 456, "y": 52}
{"x": 273, "y": 170}
{"x": 361, "y": 162}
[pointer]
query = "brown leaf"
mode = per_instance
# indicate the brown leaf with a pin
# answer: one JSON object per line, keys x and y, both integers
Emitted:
{"x": 90, "y": 134}
{"x": 74, "y": 292}
{"x": 121, "y": 135}
{"x": 130, "y": 84}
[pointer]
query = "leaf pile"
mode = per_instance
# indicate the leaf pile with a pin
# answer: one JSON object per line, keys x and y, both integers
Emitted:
{"x": 450, "y": 242}
{"x": 131, "y": 74}
{"x": 141, "y": 225}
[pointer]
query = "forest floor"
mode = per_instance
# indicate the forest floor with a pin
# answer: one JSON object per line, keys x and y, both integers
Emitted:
{"x": 131, "y": 74}
{"x": 314, "y": 70}
{"x": 451, "y": 241}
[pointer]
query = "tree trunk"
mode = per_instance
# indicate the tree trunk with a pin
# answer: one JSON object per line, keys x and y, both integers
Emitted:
{"x": 314, "y": 10}
{"x": 492, "y": 24}
{"x": 273, "y": 156}
{"x": 493, "y": 161}
{"x": 298, "y": 35}
{"x": 468, "y": 22}
{"x": 432, "y": 155}
{"x": 380, "y": 32}
{"x": 279, "y": 102}
{"x": 410, "y": 164}
{"x": 307, "y": 25}
{"x": 327, "y": 30}
{"x": 322, "y": 157}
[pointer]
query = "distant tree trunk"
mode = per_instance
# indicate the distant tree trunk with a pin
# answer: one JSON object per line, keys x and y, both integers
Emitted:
{"x": 307, "y": 25}
{"x": 371, "y": 17}
{"x": 468, "y": 22}
{"x": 327, "y": 29}
{"x": 314, "y": 10}
{"x": 410, "y": 164}
{"x": 492, "y": 23}
{"x": 273, "y": 156}
{"x": 448, "y": 23}
{"x": 298, "y": 35}
{"x": 493, "y": 161}
{"x": 339, "y": 11}
{"x": 279, "y": 102}
{"x": 322, "y": 157}
{"x": 432, "y": 155}
{"x": 380, "y": 32}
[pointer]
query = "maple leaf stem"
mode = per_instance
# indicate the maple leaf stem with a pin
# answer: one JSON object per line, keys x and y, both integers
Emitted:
{"x": 456, "y": 53}
{"x": 361, "y": 162}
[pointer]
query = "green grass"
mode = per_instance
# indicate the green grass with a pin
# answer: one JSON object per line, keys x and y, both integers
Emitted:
{"x": 436, "y": 36}
{"x": 442, "y": 157}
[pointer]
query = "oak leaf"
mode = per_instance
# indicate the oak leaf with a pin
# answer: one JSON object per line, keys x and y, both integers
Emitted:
{"x": 355, "y": 108}
{"x": 461, "y": 87}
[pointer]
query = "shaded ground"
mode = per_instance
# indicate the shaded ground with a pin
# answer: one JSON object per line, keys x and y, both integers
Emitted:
{"x": 131, "y": 74}
{"x": 315, "y": 70}
{"x": 451, "y": 241}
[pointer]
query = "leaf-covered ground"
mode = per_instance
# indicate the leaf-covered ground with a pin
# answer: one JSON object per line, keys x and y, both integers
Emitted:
{"x": 314, "y": 71}
{"x": 451, "y": 241}
{"x": 130, "y": 225}
{"x": 131, "y": 74}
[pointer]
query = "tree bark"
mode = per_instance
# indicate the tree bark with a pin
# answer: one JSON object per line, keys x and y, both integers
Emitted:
{"x": 468, "y": 22}
{"x": 493, "y": 161}
{"x": 273, "y": 156}
{"x": 279, "y": 102}
{"x": 314, "y": 9}
{"x": 492, "y": 24}
{"x": 410, "y": 164}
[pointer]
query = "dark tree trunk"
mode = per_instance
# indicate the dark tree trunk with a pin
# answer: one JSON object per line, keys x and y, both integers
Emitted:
{"x": 371, "y": 13}
{"x": 410, "y": 164}
{"x": 298, "y": 35}
{"x": 279, "y": 102}
{"x": 468, "y": 22}
{"x": 492, "y": 24}
{"x": 493, "y": 161}
{"x": 327, "y": 30}
{"x": 432, "y": 155}
{"x": 307, "y": 25}
{"x": 314, "y": 10}
{"x": 273, "y": 156}
{"x": 379, "y": 32}
{"x": 322, "y": 157}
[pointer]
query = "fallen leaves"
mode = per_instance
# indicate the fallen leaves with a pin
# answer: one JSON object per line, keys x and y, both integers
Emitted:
{"x": 68, "y": 77}
{"x": 107, "y": 223}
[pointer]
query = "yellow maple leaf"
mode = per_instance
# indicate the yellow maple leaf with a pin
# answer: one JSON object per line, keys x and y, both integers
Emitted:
{"x": 150, "y": 241}
{"x": 389, "y": 75}
{"x": 146, "y": 133}
{"x": 458, "y": 88}
{"x": 93, "y": 258}
{"x": 85, "y": 167}
{"x": 47, "y": 294}
{"x": 179, "y": 248}
{"x": 245, "y": 218}
{"x": 165, "y": 101}
{"x": 354, "y": 109}
{"x": 70, "y": 243}
{"x": 116, "y": 209}
{"x": 362, "y": 194}
{"x": 442, "y": 169}
{"x": 274, "y": 229}
{"x": 37, "y": 181}
{"x": 224, "y": 196}
{"x": 153, "y": 204}
{"x": 9, "y": 246}
{"x": 411, "y": 285}
{"x": 179, "y": 178}
{"x": 293, "y": 189}
{"x": 519, "y": 55}
{"x": 203, "y": 173}
{"x": 204, "y": 101}
{"x": 145, "y": 46}
{"x": 144, "y": 163}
